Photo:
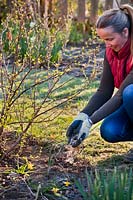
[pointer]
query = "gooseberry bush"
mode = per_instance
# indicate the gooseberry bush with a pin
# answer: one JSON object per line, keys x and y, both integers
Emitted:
{"x": 30, "y": 56}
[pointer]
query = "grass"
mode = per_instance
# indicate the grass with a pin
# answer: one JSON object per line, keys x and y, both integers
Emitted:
{"x": 95, "y": 148}
{"x": 99, "y": 152}
{"x": 103, "y": 157}
{"x": 58, "y": 126}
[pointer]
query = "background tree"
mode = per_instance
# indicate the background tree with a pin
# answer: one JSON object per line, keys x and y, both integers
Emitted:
{"x": 93, "y": 11}
{"x": 60, "y": 10}
{"x": 81, "y": 11}
{"x": 44, "y": 7}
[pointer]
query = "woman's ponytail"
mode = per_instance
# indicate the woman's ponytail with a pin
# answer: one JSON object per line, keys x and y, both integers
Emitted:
{"x": 127, "y": 9}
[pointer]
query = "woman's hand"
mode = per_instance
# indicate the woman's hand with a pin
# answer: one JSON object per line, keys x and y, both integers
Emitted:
{"x": 78, "y": 129}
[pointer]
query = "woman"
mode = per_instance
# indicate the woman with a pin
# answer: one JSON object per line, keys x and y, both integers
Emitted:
{"x": 115, "y": 27}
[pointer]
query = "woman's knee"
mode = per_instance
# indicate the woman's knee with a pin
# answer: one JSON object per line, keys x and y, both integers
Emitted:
{"x": 108, "y": 132}
{"x": 128, "y": 94}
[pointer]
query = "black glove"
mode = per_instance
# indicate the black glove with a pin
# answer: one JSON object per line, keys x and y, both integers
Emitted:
{"x": 78, "y": 129}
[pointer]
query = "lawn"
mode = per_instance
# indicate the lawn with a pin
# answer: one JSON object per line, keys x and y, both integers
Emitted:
{"x": 48, "y": 168}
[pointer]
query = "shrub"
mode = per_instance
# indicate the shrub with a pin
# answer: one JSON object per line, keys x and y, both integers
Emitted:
{"x": 30, "y": 46}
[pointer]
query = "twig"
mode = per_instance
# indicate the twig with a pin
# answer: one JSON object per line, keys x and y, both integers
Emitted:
{"x": 32, "y": 193}
{"x": 38, "y": 190}
{"x": 44, "y": 198}
{"x": 6, "y": 190}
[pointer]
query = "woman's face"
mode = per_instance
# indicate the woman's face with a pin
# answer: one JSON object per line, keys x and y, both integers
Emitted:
{"x": 112, "y": 39}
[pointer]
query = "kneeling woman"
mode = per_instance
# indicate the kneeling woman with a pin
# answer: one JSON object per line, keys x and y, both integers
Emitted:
{"x": 115, "y": 27}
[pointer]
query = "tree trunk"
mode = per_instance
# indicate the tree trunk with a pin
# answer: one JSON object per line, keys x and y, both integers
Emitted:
{"x": 81, "y": 11}
{"x": 50, "y": 8}
{"x": 44, "y": 8}
{"x": 64, "y": 8}
{"x": 94, "y": 11}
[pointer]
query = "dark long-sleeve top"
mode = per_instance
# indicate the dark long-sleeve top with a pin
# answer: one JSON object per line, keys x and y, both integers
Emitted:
{"x": 103, "y": 102}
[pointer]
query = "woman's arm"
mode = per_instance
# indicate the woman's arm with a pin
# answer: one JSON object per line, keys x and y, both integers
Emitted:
{"x": 104, "y": 92}
{"x": 114, "y": 103}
